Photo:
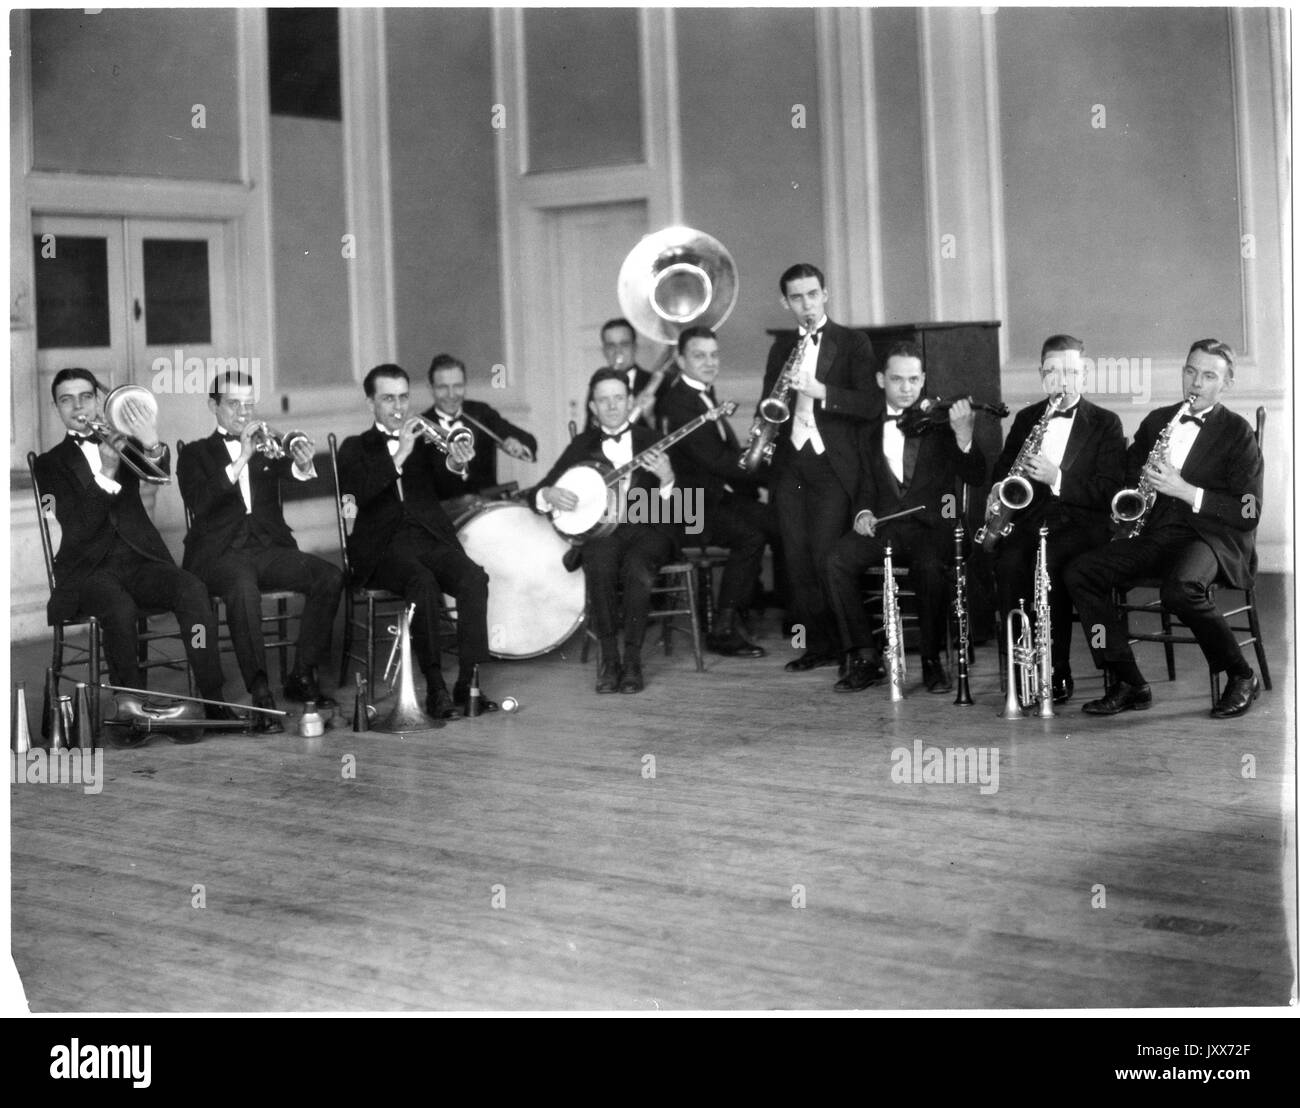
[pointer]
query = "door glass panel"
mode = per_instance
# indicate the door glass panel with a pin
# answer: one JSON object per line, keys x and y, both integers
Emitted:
{"x": 71, "y": 291}
{"x": 177, "y": 300}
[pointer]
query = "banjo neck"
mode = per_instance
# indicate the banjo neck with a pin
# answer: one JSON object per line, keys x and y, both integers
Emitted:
{"x": 664, "y": 443}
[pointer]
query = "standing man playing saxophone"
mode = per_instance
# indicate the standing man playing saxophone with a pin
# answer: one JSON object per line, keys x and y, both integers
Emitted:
{"x": 1074, "y": 474}
{"x": 1208, "y": 482}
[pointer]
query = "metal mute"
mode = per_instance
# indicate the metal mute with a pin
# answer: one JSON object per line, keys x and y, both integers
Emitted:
{"x": 82, "y": 735}
{"x": 20, "y": 734}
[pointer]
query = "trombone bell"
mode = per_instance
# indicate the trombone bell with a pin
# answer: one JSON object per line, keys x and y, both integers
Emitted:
{"x": 110, "y": 430}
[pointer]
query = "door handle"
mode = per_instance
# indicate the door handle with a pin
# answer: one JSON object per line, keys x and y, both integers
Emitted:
{"x": 138, "y": 311}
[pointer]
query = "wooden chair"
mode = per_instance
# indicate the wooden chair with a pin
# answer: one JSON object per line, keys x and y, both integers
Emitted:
{"x": 1173, "y": 632}
{"x": 675, "y": 583}
{"x": 91, "y": 655}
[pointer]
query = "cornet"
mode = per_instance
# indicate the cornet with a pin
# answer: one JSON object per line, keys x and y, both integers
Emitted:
{"x": 1029, "y": 660}
{"x": 444, "y": 441}
{"x": 271, "y": 444}
{"x": 139, "y": 463}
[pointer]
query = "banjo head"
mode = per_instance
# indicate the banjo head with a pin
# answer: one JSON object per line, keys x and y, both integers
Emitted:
{"x": 587, "y": 483}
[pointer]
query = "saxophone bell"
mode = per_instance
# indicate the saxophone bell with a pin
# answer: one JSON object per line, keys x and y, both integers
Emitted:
{"x": 1128, "y": 506}
{"x": 1015, "y": 492}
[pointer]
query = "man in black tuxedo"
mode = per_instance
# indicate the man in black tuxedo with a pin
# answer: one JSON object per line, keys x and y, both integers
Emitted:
{"x": 111, "y": 560}
{"x": 618, "y": 344}
{"x": 709, "y": 460}
{"x": 898, "y": 473}
{"x": 632, "y": 554}
{"x": 815, "y": 467}
{"x": 239, "y": 544}
{"x": 403, "y": 541}
{"x": 1201, "y": 529}
{"x": 1074, "y": 475}
{"x": 451, "y": 411}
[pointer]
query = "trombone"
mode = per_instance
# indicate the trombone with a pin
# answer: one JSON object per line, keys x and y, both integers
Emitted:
{"x": 132, "y": 455}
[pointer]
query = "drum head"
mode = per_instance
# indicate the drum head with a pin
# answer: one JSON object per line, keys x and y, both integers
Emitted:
{"x": 534, "y": 603}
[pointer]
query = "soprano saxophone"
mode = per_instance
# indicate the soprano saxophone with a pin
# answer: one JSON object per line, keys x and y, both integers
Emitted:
{"x": 895, "y": 663}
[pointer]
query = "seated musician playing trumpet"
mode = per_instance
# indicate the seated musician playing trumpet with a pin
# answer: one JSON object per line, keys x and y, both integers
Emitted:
{"x": 901, "y": 473}
{"x": 631, "y": 555}
{"x": 403, "y": 540}
{"x": 111, "y": 560}
{"x": 239, "y": 544}
{"x": 1067, "y": 454}
{"x": 1198, "y": 473}
{"x": 489, "y": 431}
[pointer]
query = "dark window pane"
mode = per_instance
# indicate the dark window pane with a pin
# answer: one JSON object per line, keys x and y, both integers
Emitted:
{"x": 176, "y": 299}
{"x": 71, "y": 291}
{"x": 302, "y": 47}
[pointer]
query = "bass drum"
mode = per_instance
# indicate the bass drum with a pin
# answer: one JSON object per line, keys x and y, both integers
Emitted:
{"x": 534, "y": 603}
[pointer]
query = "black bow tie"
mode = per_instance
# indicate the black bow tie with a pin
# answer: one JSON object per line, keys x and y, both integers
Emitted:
{"x": 394, "y": 435}
{"x": 228, "y": 438}
{"x": 1067, "y": 414}
{"x": 93, "y": 438}
{"x": 606, "y": 436}
{"x": 893, "y": 418}
{"x": 1198, "y": 420}
{"x": 814, "y": 335}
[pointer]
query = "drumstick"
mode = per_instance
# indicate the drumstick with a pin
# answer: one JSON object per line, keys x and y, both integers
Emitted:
{"x": 899, "y": 515}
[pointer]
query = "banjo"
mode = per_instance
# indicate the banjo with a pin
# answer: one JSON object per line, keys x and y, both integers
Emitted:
{"x": 596, "y": 485}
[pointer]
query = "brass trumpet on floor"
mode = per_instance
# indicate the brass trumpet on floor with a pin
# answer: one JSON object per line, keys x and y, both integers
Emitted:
{"x": 1029, "y": 657}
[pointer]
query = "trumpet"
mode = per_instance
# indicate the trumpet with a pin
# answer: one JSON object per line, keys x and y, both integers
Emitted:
{"x": 271, "y": 444}
{"x": 1029, "y": 658}
{"x": 132, "y": 456}
{"x": 444, "y": 441}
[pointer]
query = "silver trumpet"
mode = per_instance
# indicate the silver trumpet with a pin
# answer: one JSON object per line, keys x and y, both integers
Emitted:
{"x": 445, "y": 440}
{"x": 271, "y": 444}
{"x": 1029, "y": 658}
{"x": 895, "y": 662}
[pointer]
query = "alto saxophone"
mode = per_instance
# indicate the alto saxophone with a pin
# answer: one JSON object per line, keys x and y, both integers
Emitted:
{"x": 1014, "y": 492}
{"x": 1131, "y": 506}
{"x": 895, "y": 663}
{"x": 772, "y": 412}
{"x": 1029, "y": 657}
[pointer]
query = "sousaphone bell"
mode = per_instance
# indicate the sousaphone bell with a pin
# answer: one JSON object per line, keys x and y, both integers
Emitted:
{"x": 677, "y": 278}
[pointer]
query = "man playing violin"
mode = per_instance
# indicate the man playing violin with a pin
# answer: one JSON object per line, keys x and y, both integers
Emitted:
{"x": 111, "y": 561}
{"x": 631, "y": 555}
{"x": 403, "y": 540}
{"x": 239, "y": 544}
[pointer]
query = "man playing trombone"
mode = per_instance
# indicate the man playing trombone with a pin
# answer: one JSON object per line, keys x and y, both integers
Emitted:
{"x": 239, "y": 544}
{"x": 490, "y": 430}
{"x": 901, "y": 474}
{"x": 111, "y": 561}
{"x": 1200, "y": 473}
{"x": 1071, "y": 477}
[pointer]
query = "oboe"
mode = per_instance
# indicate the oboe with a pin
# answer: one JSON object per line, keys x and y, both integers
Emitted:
{"x": 961, "y": 606}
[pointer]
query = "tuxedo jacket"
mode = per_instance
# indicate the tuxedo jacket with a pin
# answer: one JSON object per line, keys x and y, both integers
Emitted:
{"x": 221, "y": 521}
{"x": 367, "y": 473}
{"x": 482, "y": 471}
{"x": 92, "y": 520}
{"x": 586, "y": 448}
{"x": 703, "y": 459}
{"x": 932, "y": 465}
{"x": 640, "y": 379}
{"x": 1092, "y": 468}
{"x": 846, "y": 366}
{"x": 1226, "y": 462}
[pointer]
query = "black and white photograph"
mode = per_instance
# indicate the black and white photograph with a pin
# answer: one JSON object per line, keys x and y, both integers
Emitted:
{"x": 652, "y": 511}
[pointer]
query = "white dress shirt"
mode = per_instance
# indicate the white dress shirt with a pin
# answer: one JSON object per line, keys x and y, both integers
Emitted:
{"x": 90, "y": 451}
{"x": 1055, "y": 441}
{"x": 1181, "y": 441}
{"x": 805, "y": 422}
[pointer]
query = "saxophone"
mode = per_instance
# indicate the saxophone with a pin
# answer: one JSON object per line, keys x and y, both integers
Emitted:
{"x": 772, "y": 412}
{"x": 1131, "y": 506}
{"x": 895, "y": 664}
{"x": 1014, "y": 492}
{"x": 1029, "y": 657}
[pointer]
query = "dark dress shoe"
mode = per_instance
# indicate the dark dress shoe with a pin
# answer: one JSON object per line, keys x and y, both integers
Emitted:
{"x": 262, "y": 723}
{"x": 934, "y": 676}
{"x": 1237, "y": 697}
{"x": 304, "y": 687}
{"x": 633, "y": 681}
{"x": 460, "y": 697}
{"x": 811, "y": 660}
{"x": 862, "y": 674}
{"x": 1122, "y": 697}
{"x": 1062, "y": 687}
{"x": 609, "y": 678}
{"x": 733, "y": 645}
{"x": 439, "y": 704}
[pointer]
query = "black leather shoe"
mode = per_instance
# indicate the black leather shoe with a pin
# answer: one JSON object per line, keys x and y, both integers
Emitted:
{"x": 304, "y": 687}
{"x": 862, "y": 674}
{"x": 733, "y": 645}
{"x": 1122, "y": 697}
{"x": 460, "y": 697}
{"x": 633, "y": 681}
{"x": 811, "y": 660}
{"x": 438, "y": 702}
{"x": 1062, "y": 687}
{"x": 934, "y": 676}
{"x": 1237, "y": 697}
{"x": 262, "y": 723}
{"x": 610, "y": 676}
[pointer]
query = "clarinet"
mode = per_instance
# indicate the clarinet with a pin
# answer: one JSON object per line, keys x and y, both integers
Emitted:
{"x": 963, "y": 620}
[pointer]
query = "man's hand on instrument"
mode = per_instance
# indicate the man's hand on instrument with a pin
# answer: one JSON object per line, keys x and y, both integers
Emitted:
{"x": 560, "y": 500}
{"x": 247, "y": 448}
{"x": 961, "y": 418}
{"x": 139, "y": 422}
{"x": 992, "y": 502}
{"x": 656, "y": 461}
{"x": 461, "y": 452}
{"x": 517, "y": 449}
{"x": 1040, "y": 469}
{"x": 865, "y": 523}
{"x": 808, "y": 384}
{"x": 1164, "y": 478}
{"x": 302, "y": 454}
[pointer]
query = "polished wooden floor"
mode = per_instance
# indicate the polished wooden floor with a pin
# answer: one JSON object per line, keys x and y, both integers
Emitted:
{"x": 530, "y": 861}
